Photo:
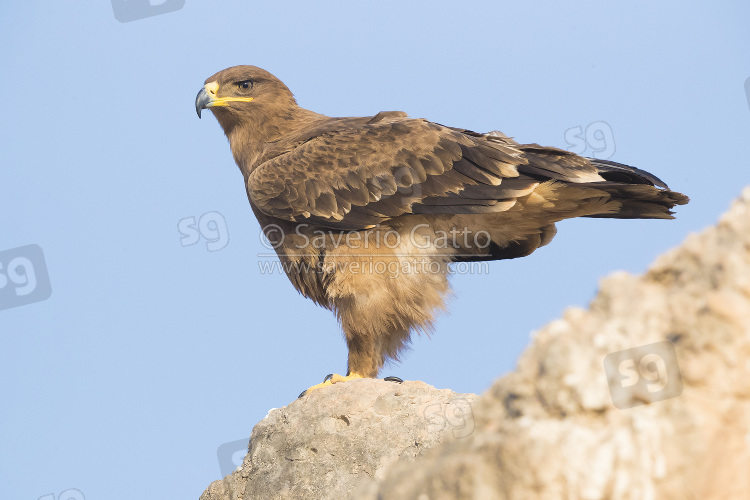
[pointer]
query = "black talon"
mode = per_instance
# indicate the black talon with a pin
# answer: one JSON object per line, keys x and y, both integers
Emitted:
{"x": 328, "y": 377}
{"x": 393, "y": 379}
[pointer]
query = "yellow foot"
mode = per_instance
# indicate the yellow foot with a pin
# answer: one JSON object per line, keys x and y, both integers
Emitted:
{"x": 333, "y": 379}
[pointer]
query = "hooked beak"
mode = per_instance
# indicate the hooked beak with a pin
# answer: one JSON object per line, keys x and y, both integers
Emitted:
{"x": 207, "y": 98}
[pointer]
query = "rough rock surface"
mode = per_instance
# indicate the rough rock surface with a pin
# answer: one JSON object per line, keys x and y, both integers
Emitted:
{"x": 644, "y": 396}
{"x": 326, "y": 443}
{"x": 551, "y": 429}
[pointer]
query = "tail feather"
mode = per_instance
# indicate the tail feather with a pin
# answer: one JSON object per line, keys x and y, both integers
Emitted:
{"x": 641, "y": 195}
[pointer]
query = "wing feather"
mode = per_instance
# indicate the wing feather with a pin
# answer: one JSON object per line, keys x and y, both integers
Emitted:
{"x": 356, "y": 173}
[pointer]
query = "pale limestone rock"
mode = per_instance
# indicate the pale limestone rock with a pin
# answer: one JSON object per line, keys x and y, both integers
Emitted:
{"x": 326, "y": 443}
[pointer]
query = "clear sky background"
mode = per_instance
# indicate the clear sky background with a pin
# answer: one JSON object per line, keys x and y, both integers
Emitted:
{"x": 151, "y": 352}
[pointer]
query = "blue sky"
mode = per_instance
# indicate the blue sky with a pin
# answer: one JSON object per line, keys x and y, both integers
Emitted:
{"x": 151, "y": 352}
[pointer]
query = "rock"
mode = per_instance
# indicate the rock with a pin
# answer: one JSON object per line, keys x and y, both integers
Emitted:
{"x": 643, "y": 396}
{"x": 328, "y": 442}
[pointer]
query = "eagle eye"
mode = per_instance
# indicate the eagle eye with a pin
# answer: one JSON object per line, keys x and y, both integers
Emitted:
{"x": 244, "y": 85}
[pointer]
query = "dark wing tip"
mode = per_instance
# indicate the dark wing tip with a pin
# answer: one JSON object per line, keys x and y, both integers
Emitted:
{"x": 619, "y": 172}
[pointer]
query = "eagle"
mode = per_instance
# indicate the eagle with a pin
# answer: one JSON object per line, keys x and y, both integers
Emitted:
{"x": 366, "y": 214}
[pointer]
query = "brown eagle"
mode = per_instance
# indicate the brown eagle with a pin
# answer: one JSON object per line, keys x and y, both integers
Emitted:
{"x": 367, "y": 213}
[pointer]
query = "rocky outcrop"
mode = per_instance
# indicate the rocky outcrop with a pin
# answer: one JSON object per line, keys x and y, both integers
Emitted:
{"x": 645, "y": 395}
{"x": 326, "y": 443}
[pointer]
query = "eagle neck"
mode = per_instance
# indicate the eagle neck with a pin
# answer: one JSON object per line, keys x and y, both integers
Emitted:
{"x": 252, "y": 141}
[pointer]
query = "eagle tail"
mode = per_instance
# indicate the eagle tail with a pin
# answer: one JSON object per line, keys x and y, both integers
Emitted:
{"x": 638, "y": 194}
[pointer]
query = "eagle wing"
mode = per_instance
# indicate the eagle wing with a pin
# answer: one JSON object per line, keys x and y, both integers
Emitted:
{"x": 360, "y": 175}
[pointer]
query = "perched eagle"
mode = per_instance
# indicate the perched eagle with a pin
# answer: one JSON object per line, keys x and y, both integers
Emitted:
{"x": 367, "y": 213}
